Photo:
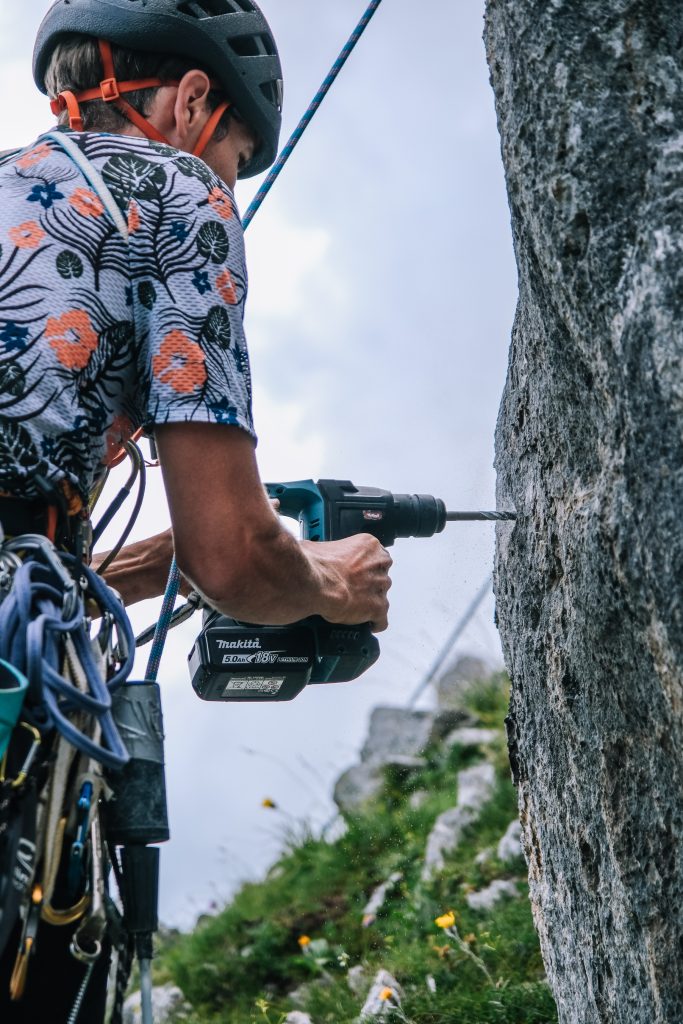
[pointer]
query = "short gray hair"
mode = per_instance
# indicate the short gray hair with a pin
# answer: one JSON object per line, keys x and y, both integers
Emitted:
{"x": 76, "y": 65}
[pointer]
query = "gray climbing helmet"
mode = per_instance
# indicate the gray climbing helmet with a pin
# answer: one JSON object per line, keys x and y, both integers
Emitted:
{"x": 229, "y": 37}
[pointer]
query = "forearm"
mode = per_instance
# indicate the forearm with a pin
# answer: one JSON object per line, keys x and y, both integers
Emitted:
{"x": 140, "y": 571}
{"x": 268, "y": 578}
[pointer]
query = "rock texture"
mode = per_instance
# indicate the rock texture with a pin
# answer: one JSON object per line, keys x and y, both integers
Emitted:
{"x": 590, "y": 452}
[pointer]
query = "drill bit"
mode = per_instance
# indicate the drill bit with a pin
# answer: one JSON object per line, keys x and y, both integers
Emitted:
{"x": 472, "y": 517}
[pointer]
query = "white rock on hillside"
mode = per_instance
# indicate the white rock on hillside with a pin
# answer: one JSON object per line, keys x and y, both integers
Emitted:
{"x": 475, "y": 789}
{"x": 356, "y": 979}
{"x": 510, "y": 846}
{"x": 486, "y": 898}
{"x": 460, "y": 680}
{"x": 375, "y": 1007}
{"x": 364, "y": 781}
{"x": 395, "y": 732}
{"x": 470, "y": 737}
{"x": 168, "y": 1006}
{"x": 378, "y": 898}
{"x": 297, "y": 1017}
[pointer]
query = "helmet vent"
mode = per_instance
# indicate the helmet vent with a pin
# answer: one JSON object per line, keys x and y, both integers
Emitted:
{"x": 213, "y": 8}
{"x": 252, "y": 46}
{"x": 273, "y": 92}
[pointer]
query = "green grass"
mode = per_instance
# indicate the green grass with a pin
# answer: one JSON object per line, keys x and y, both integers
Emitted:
{"x": 239, "y": 966}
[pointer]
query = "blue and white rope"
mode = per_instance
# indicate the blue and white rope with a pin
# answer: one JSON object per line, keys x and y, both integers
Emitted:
{"x": 310, "y": 113}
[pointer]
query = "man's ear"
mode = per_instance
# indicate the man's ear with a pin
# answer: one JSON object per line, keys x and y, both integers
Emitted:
{"x": 191, "y": 102}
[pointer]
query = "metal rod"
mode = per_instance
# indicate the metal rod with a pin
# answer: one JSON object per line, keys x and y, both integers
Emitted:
{"x": 146, "y": 1003}
{"x": 310, "y": 113}
{"x": 459, "y": 629}
{"x": 477, "y": 517}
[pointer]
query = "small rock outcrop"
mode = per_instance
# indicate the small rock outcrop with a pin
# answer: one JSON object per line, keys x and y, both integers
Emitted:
{"x": 471, "y": 737}
{"x": 509, "y": 848}
{"x": 457, "y": 682}
{"x": 475, "y": 789}
{"x": 364, "y": 781}
{"x": 485, "y": 899}
{"x": 379, "y": 897}
{"x": 168, "y": 1006}
{"x": 297, "y": 1017}
{"x": 382, "y": 999}
{"x": 400, "y": 732}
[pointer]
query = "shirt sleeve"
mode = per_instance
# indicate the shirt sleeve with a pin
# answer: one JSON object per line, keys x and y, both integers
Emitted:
{"x": 188, "y": 289}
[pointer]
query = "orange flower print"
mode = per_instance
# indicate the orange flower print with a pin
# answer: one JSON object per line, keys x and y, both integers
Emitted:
{"x": 34, "y": 156}
{"x": 120, "y": 431}
{"x": 180, "y": 363}
{"x": 87, "y": 203}
{"x": 220, "y": 203}
{"x": 225, "y": 287}
{"x": 28, "y": 235}
{"x": 72, "y": 338}
{"x": 133, "y": 217}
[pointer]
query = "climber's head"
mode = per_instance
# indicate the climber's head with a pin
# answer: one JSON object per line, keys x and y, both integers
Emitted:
{"x": 192, "y": 73}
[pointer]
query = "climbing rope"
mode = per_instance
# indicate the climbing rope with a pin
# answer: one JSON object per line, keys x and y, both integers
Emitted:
{"x": 42, "y": 608}
{"x": 166, "y": 617}
{"x": 303, "y": 124}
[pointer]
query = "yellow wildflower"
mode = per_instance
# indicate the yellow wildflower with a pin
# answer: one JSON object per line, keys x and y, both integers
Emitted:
{"x": 304, "y": 941}
{"x": 269, "y": 804}
{"x": 386, "y": 994}
{"x": 446, "y": 920}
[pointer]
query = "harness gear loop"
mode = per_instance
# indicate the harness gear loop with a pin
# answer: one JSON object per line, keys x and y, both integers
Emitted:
{"x": 110, "y": 91}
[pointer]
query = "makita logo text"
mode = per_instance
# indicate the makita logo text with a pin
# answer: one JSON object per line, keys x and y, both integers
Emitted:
{"x": 239, "y": 645}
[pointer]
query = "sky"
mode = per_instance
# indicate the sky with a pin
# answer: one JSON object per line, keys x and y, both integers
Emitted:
{"x": 382, "y": 292}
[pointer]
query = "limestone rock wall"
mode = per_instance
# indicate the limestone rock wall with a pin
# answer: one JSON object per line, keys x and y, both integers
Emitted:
{"x": 589, "y": 582}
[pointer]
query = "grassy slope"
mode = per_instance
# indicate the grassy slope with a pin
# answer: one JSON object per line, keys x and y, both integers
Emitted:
{"x": 237, "y": 967}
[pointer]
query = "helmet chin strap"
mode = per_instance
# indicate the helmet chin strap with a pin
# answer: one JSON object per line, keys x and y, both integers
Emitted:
{"x": 110, "y": 90}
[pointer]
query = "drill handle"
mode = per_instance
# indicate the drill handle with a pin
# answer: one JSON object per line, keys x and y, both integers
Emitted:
{"x": 301, "y": 500}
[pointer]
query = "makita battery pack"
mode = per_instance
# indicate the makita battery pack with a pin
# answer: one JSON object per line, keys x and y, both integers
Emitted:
{"x": 235, "y": 661}
{"x": 231, "y": 661}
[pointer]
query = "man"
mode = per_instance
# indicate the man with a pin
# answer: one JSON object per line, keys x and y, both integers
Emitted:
{"x": 103, "y": 334}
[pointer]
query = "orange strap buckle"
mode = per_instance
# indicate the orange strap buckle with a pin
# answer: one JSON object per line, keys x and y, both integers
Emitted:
{"x": 110, "y": 90}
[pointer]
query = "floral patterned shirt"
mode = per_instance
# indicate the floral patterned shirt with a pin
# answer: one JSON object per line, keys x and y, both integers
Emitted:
{"x": 99, "y": 337}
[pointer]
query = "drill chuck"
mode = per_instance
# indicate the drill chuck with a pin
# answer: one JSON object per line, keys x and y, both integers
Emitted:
{"x": 418, "y": 515}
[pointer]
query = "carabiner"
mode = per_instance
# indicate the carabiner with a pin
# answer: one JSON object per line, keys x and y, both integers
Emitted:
{"x": 22, "y": 774}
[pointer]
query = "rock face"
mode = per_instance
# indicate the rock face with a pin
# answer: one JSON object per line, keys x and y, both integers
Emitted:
{"x": 590, "y": 453}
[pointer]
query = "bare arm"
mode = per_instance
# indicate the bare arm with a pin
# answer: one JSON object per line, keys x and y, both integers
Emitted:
{"x": 231, "y": 545}
{"x": 140, "y": 571}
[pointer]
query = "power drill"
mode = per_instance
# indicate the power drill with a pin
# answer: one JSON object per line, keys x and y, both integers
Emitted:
{"x": 236, "y": 661}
